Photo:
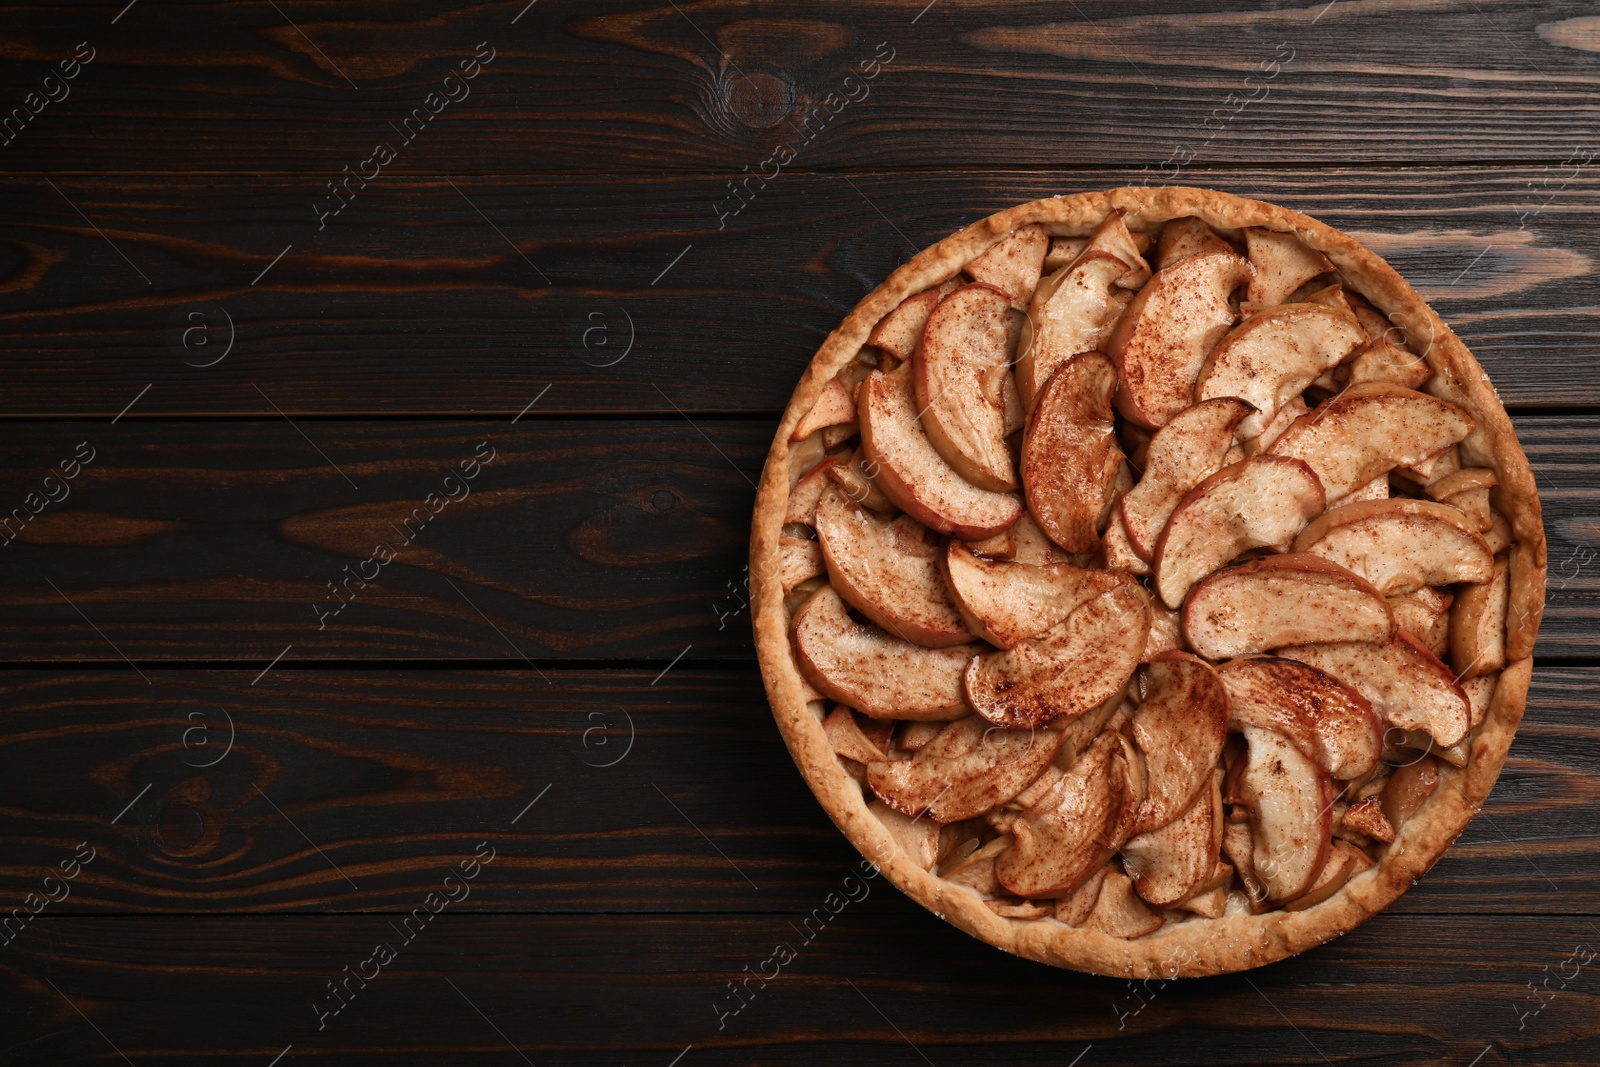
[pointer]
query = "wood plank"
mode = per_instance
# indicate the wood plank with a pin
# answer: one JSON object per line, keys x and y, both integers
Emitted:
{"x": 881, "y": 983}
{"x": 218, "y": 541}
{"x": 411, "y": 303}
{"x": 717, "y": 85}
{"x": 233, "y": 540}
{"x": 669, "y": 796}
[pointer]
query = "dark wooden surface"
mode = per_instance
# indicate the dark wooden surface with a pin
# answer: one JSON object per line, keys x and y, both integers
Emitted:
{"x": 268, "y": 790}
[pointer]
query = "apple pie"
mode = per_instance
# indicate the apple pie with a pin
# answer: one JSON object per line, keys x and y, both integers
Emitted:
{"x": 1147, "y": 581}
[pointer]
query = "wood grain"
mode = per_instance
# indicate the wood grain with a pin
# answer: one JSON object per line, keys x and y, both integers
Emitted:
{"x": 411, "y": 302}
{"x": 669, "y": 796}
{"x": 218, "y": 540}
{"x": 233, "y": 540}
{"x": 565, "y": 990}
{"x": 718, "y": 84}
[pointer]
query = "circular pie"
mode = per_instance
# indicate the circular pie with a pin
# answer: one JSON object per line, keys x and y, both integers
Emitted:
{"x": 1146, "y": 581}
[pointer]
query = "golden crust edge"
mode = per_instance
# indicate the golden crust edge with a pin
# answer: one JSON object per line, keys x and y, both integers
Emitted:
{"x": 1208, "y": 946}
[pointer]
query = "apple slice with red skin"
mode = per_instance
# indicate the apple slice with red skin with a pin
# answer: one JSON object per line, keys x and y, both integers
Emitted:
{"x": 1164, "y": 335}
{"x": 1341, "y": 865}
{"x": 1400, "y": 545}
{"x": 1068, "y": 670}
{"x": 908, "y": 470}
{"x": 1074, "y": 309}
{"x": 1181, "y": 455}
{"x": 1283, "y": 264}
{"x": 898, "y": 332}
{"x": 1014, "y": 263}
{"x": 959, "y": 373}
{"x": 1369, "y": 429}
{"x": 1179, "y": 729}
{"x": 1272, "y": 356}
{"x": 873, "y": 671}
{"x": 1283, "y": 600}
{"x": 1408, "y": 687}
{"x": 1259, "y": 502}
{"x": 1290, "y": 806}
{"x": 1072, "y": 831}
{"x": 1173, "y": 862}
{"x": 972, "y": 767}
{"x": 1331, "y": 723}
{"x": 1005, "y": 602}
{"x": 1070, "y": 455}
{"x": 888, "y": 571}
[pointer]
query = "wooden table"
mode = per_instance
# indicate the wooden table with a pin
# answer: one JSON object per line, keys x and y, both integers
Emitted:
{"x": 264, "y": 694}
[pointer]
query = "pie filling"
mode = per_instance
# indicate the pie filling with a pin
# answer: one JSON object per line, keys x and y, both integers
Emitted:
{"x": 1139, "y": 578}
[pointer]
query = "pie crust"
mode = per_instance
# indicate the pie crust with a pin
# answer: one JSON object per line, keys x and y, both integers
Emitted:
{"x": 1197, "y": 946}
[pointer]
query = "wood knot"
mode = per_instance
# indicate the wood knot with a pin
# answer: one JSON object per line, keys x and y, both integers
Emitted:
{"x": 759, "y": 100}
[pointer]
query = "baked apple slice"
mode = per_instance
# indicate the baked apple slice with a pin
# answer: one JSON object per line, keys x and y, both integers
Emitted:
{"x": 1400, "y": 545}
{"x": 834, "y": 407}
{"x": 807, "y": 491}
{"x": 1272, "y": 356}
{"x": 1478, "y": 624}
{"x": 1032, "y": 544}
{"x": 1425, "y": 615}
{"x": 1290, "y": 807}
{"x": 970, "y": 768}
{"x": 1063, "y": 250}
{"x": 1164, "y": 335}
{"x": 888, "y": 571}
{"x": 873, "y": 671}
{"x": 1341, "y": 865}
{"x": 898, "y": 332}
{"x": 1283, "y": 600}
{"x": 849, "y": 739}
{"x": 1406, "y": 684}
{"x": 1072, "y": 831}
{"x": 1068, "y": 670}
{"x": 1179, "y": 729}
{"x": 1180, "y": 455}
{"x": 1259, "y": 502}
{"x": 1118, "y": 911}
{"x": 1185, "y": 237}
{"x": 1014, "y": 264}
{"x": 850, "y": 474}
{"x": 1331, "y": 724}
{"x": 919, "y": 837}
{"x": 1005, "y": 602}
{"x": 1468, "y": 492}
{"x": 1070, "y": 455}
{"x": 1166, "y": 631}
{"x": 799, "y": 560}
{"x": 959, "y": 373}
{"x": 1116, "y": 550}
{"x": 1380, "y": 361}
{"x": 1175, "y": 862}
{"x": 1370, "y": 429}
{"x": 909, "y": 470}
{"x": 1074, "y": 309}
{"x": 1283, "y": 264}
